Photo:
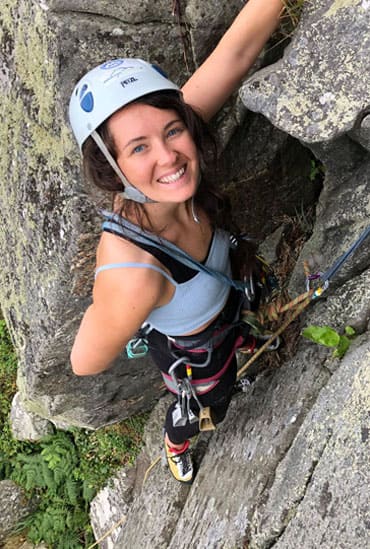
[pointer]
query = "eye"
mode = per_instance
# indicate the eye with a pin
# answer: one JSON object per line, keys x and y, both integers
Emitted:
{"x": 138, "y": 149}
{"x": 174, "y": 131}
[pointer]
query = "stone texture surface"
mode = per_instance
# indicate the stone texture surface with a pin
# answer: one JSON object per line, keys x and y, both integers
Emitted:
{"x": 310, "y": 94}
{"x": 320, "y": 493}
{"x": 110, "y": 506}
{"x": 14, "y": 507}
{"x": 342, "y": 213}
{"x": 26, "y": 425}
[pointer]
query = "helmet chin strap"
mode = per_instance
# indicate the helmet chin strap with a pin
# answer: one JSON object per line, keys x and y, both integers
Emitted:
{"x": 130, "y": 192}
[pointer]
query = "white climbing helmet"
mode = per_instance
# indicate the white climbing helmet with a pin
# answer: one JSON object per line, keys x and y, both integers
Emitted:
{"x": 106, "y": 89}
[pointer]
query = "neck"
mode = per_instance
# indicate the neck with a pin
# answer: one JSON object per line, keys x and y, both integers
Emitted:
{"x": 164, "y": 215}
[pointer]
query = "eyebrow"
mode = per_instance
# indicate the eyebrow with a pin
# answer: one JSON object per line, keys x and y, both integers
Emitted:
{"x": 141, "y": 137}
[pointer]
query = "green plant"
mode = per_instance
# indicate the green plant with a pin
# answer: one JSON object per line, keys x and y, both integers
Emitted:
{"x": 317, "y": 170}
{"x": 64, "y": 471}
{"x": 8, "y": 369}
{"x": 49, "y": 474}
{"x": 324, "y": 335}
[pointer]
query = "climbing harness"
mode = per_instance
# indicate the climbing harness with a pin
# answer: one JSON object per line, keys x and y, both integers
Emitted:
{"x": 183, "y": 349}
{"x": 129, "y": 231}
{"x": 186, "y": 350}
{"x": 185, "y": 392}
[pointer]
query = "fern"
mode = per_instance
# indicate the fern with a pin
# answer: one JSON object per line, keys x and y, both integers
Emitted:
{"x": 28, "y": 472}
{"x": 60, "y": 452}
{"x": 72, "y": 490}
{"x": 88, "y": 491}
{"x": 49, "y": 478}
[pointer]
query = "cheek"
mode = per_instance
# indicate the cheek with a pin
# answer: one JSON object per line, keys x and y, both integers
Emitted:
{"x": 132, "y": 168}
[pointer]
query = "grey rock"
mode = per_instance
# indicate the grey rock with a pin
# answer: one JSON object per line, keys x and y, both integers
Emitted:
{"x": 268, "y": 176}
{"x": 319, "y": 497}
{"x": 342, "y": 212}
{"x": 27, "y": 425}
{"x": 310, "y": 93}
{"x": 361, "y": 132}
{"x": 14, "y": 506}
{"x": 268, "y": 248}
{"x": 110, "y": 507}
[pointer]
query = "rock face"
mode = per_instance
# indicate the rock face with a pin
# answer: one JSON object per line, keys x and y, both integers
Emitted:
{"x": 310, "y": 94}
{"x": 319, "y": 94}
{"x": 14, "y": 507}
{"x": 289, "y": 465}
{"x": 50, "y": 224}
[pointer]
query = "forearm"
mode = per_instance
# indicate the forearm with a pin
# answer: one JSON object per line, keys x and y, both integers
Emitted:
{"x": 250, "y": 31}
{"x": 221, "y": 73}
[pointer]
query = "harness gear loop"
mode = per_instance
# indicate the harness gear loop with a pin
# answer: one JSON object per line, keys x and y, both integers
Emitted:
{"x": 185, "y": 392}
{"x": 136, "y": 348}
{"x": 205, "y": 417}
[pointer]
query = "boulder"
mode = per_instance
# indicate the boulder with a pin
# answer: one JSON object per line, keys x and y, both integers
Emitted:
{"x": 310, "y": 93}
{"x": 14, "y": 506}
{"x": 27, "y": 425}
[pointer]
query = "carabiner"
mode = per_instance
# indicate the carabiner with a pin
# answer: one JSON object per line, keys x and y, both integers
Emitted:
{"x": 249, "y": 288}
{"x": 136, "y": 348}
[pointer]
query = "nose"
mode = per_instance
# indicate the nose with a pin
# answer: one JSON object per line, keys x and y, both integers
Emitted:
{"x": 166, "y": 154}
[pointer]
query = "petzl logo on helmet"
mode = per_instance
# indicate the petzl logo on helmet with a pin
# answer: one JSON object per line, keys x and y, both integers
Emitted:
{"x": 86, "y": 99}
{"x": 128, "y": 81}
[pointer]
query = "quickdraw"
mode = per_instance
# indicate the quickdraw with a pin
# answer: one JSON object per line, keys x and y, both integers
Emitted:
{"x": 297, "y": 305}
{"x": 316, "y": 285}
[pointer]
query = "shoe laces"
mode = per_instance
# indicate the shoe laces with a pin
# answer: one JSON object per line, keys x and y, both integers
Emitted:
{"x": 184, "y": 460}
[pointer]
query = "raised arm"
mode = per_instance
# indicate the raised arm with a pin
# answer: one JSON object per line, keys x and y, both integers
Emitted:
{"x": 220, "y": 74}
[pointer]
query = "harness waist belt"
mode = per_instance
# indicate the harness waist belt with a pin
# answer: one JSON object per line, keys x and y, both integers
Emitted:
{"x": 204, "y": 385}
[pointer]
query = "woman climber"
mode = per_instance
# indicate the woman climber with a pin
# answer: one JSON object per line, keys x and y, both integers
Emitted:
{"x": 147, "y": 142}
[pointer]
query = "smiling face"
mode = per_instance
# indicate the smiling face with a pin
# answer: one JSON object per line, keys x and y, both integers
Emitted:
{"x": 156, "y": 152}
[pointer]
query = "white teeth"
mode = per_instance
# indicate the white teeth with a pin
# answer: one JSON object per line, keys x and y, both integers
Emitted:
{"x": 174, "y": 177}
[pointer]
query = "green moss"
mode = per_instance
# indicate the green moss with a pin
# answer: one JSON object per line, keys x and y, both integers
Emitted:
{"x": 34, "y": 138}
{"x": 339, "y": 4}
{"x": 7, "y": 13}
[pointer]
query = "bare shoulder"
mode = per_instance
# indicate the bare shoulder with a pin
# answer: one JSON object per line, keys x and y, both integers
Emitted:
{"x": 129, "y": 274}
{"x": 123, "y": 298}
